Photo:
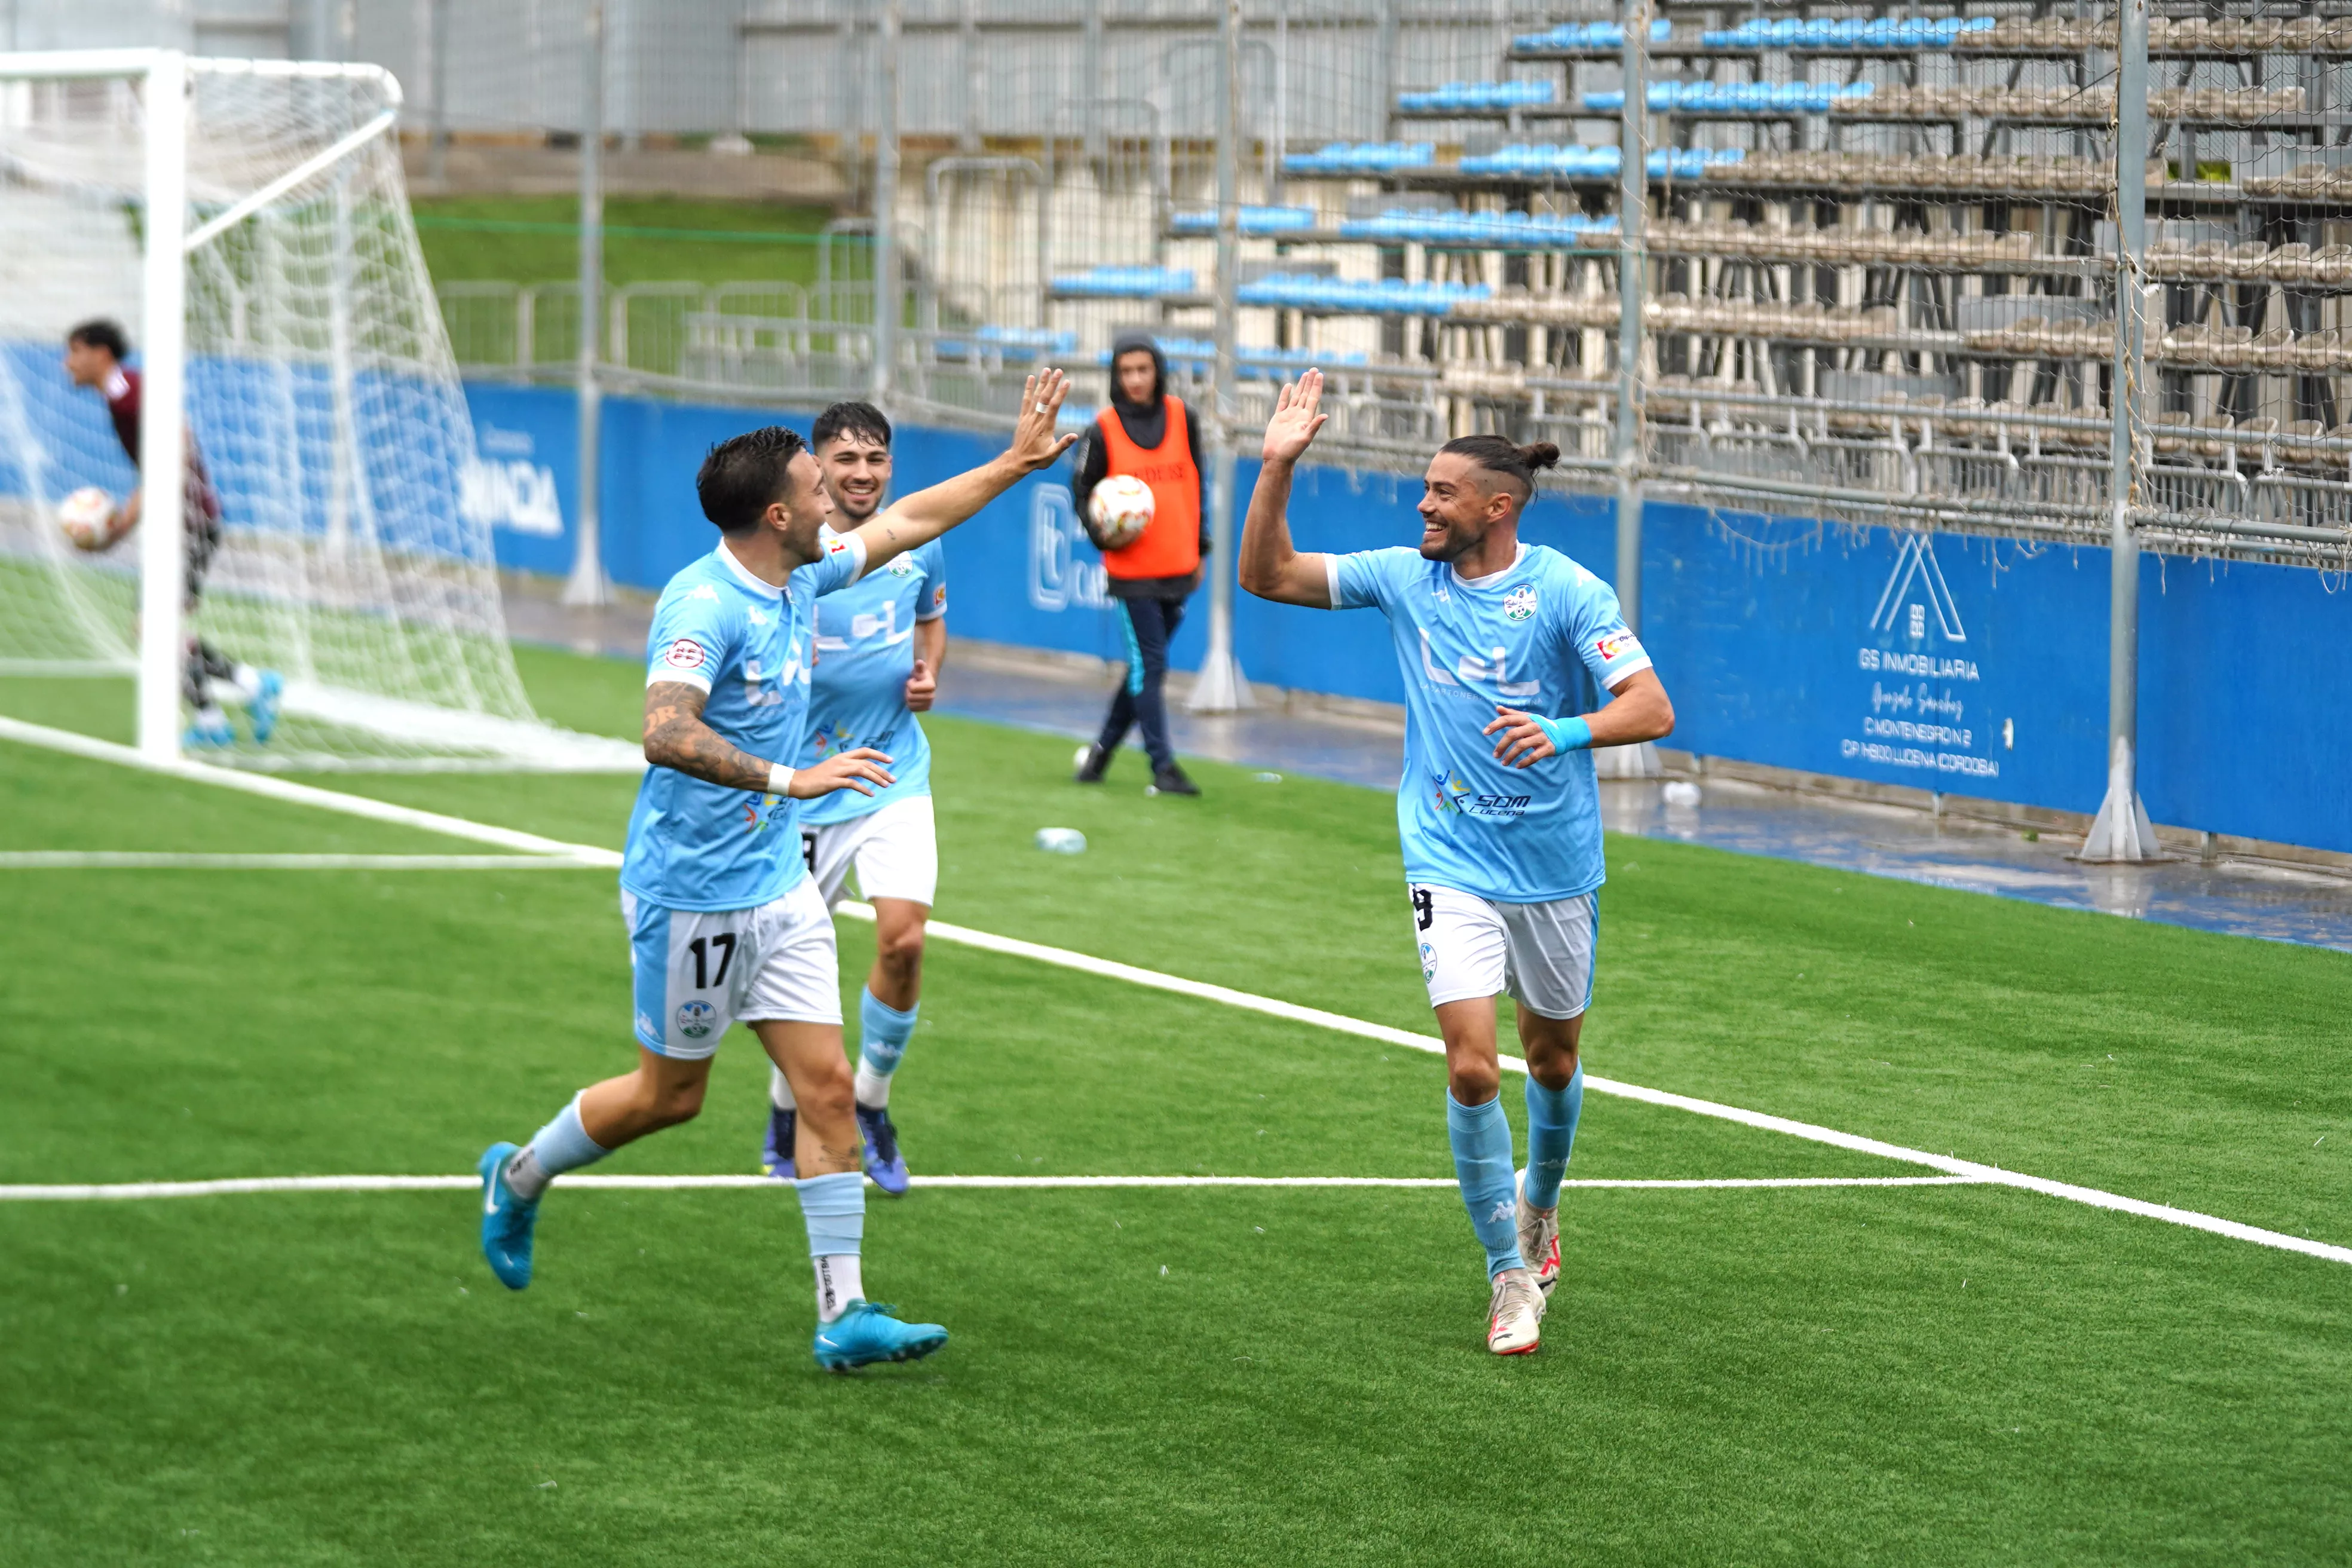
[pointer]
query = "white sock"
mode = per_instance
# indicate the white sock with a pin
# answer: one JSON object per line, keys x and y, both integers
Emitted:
{"x": 872, "y": 1090}
{"x": 780, "y": 1091}
{"x": 837, "y": 1284}
{"x": 210, "y": 717}
{"x": 248, "y": 681}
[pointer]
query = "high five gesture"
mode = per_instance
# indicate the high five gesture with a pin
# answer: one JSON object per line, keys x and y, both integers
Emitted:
{"x": 1270, "y": 568}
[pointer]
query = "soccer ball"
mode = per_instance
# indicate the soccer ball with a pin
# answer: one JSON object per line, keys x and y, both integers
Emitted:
{"x": 85, "y": 516}
{"x": 1120, "y": 507}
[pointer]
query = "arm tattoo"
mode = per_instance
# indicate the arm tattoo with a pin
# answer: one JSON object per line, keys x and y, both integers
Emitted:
{"x": 676, "y": 737}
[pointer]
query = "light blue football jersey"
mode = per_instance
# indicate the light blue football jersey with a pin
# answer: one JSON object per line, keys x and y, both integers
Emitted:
{"x": 864, "y": 653}
{"x": 1544, "y": 636}
{"x": 693, "y": 845}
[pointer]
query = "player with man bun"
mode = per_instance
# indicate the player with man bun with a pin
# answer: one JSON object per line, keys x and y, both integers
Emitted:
{"x": 1505, "y": 649}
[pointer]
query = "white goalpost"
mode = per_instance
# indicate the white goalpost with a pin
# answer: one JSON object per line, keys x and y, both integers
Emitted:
{"x": 245, "y": 222}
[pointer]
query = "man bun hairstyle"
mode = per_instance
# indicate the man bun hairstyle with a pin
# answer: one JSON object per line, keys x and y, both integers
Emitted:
{"x": 1515, "y": 463}
{"x": 744, "y": 475}
{"x": 102, "y": 333}
{"x": 850, "y": 418}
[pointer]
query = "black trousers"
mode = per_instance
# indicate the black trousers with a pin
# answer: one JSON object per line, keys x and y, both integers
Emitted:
{"x": 1151, "y": 626}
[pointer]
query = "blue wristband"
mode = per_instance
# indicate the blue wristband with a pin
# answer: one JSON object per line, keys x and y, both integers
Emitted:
{"x": 1571, "y": 734}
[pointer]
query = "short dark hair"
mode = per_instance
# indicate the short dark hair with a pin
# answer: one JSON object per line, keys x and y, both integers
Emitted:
{"x": 1515, "y": 463}
{"x": 100, "y": 334}
{"x": 744, "y": 475}
{"x": 851, "y": 418}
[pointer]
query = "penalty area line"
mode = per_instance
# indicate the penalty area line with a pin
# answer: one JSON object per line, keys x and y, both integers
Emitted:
{"x": 126, "y": 1191}
{"x": 533, "y": 844}
{"x": 1340, "y": 1023}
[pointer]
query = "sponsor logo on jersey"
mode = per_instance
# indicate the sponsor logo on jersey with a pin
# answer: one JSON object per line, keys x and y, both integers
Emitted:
{"x": 760, "y": 811}
{"x": 758, "y": 616}
{"x": 1614, "y": 646}
{"x": 1519, "y": 602}
{"x": 695, "y": 1019}
{"x": 704, "y": 591}
{"x": 684, "y": 654}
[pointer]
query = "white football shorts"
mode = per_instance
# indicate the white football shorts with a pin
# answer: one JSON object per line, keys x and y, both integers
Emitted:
{"x": 1539, "y": 954}
{"x": 697, "y": 970}
{"x": 895, "y": 850}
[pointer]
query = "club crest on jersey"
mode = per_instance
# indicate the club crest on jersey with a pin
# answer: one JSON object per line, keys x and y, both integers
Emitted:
{"x": 684, "y": 654}
{"x": 901, "y": 566}
{"x": 1519, "y": 602}
{"x": 695, "y": 1019}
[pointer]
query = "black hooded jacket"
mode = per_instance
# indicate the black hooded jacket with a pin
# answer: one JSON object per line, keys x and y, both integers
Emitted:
{"x": 1146, "y": 425}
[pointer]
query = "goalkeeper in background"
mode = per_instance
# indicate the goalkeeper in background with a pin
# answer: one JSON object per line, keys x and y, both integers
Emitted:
{"x": 94, "y": 354}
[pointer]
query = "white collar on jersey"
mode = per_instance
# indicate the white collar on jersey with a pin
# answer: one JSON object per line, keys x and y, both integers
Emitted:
{"x": 746, "y": 576}
{"x": 1491, "y": 578}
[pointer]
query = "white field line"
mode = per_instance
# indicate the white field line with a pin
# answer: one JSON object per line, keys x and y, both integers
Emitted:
{"x": 1987, "y": 1174}
{"x": 147, "y": 861}
{"x": 304, "y": 795}
{"x": 360, "y": 805}
{"x": 122, "y": 1191}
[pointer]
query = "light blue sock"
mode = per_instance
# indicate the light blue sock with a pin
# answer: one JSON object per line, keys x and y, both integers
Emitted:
{"x": 1481, "y": 1136}
{"x": 1551, "y": 1135}
{"x": 834, "y": 1208}
{"x": 882, "y": 1043}
{"x": 562, "y": 1145}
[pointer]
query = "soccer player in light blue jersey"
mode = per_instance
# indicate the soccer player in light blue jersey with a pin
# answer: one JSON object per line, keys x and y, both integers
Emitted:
{"x": 879, "y": 647}
{"x": 1505, "y": 649}
{"x": 724, "y": 922}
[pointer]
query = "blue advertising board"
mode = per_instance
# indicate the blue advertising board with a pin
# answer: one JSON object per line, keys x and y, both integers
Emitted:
{"x": 1968, "y": 666}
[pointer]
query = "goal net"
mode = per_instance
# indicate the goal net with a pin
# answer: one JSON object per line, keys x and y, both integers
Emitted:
{"x": 325, "y": 427}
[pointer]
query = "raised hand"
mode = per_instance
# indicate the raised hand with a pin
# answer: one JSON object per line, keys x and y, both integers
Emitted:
{"x": 1034, "y": 445}
{"x": 860, "y": 769}
{"x": 1296, "y": 417}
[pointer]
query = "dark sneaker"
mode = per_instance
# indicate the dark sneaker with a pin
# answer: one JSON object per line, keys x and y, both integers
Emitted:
{"x": 885, "y": 1166}
{"x": 776, "y": 1149}
{"x": 1093, "y": 762}
{"x": 1170, "y": 780}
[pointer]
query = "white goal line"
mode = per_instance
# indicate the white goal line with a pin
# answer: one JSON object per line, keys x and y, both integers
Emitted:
{"x": 1950, "y": 1166}
{"x": 123, "y": 1191}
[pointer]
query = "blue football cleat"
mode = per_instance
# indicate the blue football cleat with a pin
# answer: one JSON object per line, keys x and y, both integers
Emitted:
{"x": 262, "y": 710}
{"x": 776, "y": 1150}
{"x": 885, "y": 1167}
{"x": 506, "y": 1220}
{"x": 208, "y": 734}
{"x": 866, "y": 1333}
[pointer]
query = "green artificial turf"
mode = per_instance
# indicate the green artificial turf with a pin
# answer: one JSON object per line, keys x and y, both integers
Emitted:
{"x": 1921, "y": 1374}
{"x": 647, "y": 239}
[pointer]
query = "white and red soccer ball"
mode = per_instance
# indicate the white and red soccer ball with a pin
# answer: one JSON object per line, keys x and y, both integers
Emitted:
{"x": 1120, "y": 508}
{"x": 87, "y": 516}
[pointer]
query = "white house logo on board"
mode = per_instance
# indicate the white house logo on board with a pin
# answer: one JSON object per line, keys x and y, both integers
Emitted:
{"x": 1904, "y": 616}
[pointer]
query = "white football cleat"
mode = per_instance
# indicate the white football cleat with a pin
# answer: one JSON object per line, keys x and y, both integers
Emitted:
{"x": 1515, "y": 1314}
{"x": 1539, "y": 1240}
